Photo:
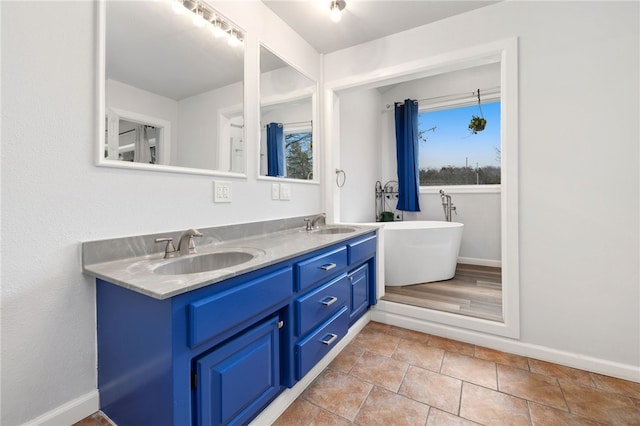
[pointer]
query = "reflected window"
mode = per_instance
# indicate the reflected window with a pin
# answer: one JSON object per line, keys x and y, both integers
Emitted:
{"x": 299, "y": 154}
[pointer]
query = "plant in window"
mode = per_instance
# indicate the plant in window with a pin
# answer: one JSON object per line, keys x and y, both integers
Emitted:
{"x": 478, "y": 123}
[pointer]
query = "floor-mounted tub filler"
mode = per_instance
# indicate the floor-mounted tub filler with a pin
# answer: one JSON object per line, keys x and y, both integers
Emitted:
{"x": 420, "y": 251}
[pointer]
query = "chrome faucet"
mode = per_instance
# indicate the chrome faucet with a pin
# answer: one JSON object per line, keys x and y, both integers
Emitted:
{"x": 447, "y": 205}
{"x": 311, "y": 223}
{"x": 186, "y": 244}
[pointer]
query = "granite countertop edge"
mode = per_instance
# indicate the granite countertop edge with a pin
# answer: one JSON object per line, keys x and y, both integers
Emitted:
{"x": 136, "y": 273}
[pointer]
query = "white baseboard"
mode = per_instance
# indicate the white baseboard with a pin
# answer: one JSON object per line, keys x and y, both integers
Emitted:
{"x": 569, "y": 359}
{"x": 480, "y": 262}
{"x": 70, "y": 412}
{"x": 288, "y": 396}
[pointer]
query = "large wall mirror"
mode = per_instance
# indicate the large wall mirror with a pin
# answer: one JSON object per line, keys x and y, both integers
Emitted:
{"x": 287, "y": 120}
{"x": 173, "y": 88}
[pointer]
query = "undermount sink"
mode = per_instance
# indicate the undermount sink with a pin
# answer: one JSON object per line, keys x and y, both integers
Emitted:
{"x": 208, "y": 262}
{"x": 334, "y": 230}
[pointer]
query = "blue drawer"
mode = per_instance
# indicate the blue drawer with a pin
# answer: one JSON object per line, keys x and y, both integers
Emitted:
{"x": 314, "y": 347}
{"x": 321, "y": 268}
{"x": 216, "y": 314}
{"x": 319, "y": 304}
{"x": 362, "y": 249}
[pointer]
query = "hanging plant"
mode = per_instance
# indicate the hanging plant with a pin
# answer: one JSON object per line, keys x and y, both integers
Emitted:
{"x": 478, "y": 123}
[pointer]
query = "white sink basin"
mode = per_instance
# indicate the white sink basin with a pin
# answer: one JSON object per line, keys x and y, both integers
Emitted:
{"x": 196, "y": 263}
{"x": 334, "y": 230}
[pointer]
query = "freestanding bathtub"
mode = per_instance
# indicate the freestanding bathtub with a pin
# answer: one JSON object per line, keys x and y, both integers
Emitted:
{"x": 420, "y": 251}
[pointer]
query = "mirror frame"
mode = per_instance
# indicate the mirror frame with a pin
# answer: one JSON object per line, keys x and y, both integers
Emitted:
{"x": 298, "y": 94}
{"x": 101, "y": 38}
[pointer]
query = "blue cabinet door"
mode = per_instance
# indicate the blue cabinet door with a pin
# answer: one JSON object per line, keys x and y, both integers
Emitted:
{"x": 239, "y": 378}
{"x": 359, "y": 292}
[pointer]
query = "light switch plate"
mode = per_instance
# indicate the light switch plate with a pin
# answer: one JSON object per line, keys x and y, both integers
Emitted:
{"x": 275, "y": 191}
{"x": 221, "y": 191}
{"x": 285, "y": 191}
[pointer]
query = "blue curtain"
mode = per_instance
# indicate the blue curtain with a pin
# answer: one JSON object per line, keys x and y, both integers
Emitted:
{"x": 407, "y": 155}
{"x": 275, "y": 149}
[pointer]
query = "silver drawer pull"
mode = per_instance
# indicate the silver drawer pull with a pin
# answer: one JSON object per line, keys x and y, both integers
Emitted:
{"x": 328, "y": 266}
{"x": 329, "y": 338}
{"x": 329, "y": 300}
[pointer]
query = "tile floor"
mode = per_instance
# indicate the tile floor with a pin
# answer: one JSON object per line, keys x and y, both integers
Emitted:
{"x": 393, "y": 376}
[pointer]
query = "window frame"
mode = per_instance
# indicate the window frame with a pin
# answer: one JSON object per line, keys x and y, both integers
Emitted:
{"x": 451, "y": 102}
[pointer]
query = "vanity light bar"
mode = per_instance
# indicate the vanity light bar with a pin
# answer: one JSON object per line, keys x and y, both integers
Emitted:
{"x": 203, "y": 15}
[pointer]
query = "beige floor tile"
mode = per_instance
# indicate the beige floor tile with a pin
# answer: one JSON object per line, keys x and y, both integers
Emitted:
{"x": 380, "y": 370}
{"x": 434, "y": 389}
{"x": 600, "y": 405}
{"x": 440, "y": 418}
{"x": 419, "y": 354}
{"x": 326, "y": 418}
{"x": 470, "y": 369}
{"x": 452, "y": 345}
{"x": 300, "y": 413}
{"x": 346, "y": 359}
{"x": 500, "y": 357}
{"x": 612, "y": 384}
{"x": 377, "y": 327}
{"x": 530, "y": 386}
{"x": 560, "y": 372}
{"x": 338, "y": 393}
{"x": 374, "y": 341}
{"x": 388, "y": 408}
{"x": 547, "y": 416}
{"x": 404, "y": 333}
{"x": 489, "y": 407}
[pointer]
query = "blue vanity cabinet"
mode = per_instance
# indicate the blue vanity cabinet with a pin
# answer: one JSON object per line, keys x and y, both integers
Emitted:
{"x": 210, "y": 356}
{"x": 335, "y": 288}
{"x": 220, "y": 354}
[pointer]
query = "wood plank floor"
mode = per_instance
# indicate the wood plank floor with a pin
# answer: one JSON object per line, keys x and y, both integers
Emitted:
{"x": 474, "y": 291}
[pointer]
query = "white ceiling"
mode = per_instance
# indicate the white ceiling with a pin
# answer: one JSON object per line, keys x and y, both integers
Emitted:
{"x": 363, "y": 20}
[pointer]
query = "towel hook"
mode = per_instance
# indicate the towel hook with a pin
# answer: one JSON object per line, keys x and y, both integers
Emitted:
{"x": 344, "y": 178}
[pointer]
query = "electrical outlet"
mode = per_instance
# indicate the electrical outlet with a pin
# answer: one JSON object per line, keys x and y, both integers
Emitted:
{"x": 285, "y": 191}
{"x": 275, "y": 191}
{"x": 221, "y": 191}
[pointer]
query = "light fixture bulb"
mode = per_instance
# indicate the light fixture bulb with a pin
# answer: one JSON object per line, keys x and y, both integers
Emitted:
{"x": 233, "y": 38}
{"x": 336, "y": 15}
{"x": 178, "y": 6}
{"x": 217, "y": 30}
{"x": 335, "y": 9}
{"x": 198, "y": 17}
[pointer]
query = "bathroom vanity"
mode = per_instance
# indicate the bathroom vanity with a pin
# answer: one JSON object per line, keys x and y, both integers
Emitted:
{"x": 222, "y": 349}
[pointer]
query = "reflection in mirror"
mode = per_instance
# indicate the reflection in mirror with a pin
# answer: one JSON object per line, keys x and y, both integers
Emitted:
{"x": 287, "y": 119}
{"x": 173, "y": 88}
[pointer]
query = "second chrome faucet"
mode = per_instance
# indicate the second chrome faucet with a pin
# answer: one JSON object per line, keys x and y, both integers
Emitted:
{"x": 186, "y": 245}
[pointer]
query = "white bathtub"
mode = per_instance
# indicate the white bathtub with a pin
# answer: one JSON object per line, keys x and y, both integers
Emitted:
{"x": 420, "y": 251}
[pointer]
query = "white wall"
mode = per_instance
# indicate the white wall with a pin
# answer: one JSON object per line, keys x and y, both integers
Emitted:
{"x": 578, "y": 163}
{"x": 54, "y": 197}
{"x": 360, "y": 118}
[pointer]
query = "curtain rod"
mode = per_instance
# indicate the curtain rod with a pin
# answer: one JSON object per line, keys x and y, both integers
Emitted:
{"x": 456, "y": 96}
{"x": 292, "y": 123}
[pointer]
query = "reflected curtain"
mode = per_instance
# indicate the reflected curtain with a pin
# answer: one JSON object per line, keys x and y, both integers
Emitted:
{"x": 141, "y": 149}
{"x": 275, "y": 150}
{"x": 406, "y": 115}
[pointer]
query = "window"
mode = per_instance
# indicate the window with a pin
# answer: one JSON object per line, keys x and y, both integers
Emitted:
{"x": 298, "y": 151}
{"x": 451, "y": 155}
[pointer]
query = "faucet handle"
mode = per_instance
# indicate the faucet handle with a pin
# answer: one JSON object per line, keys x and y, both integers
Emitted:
{"x": 307, "y": 224}
{"x": 192, "y": 244}
{"x": 170, "y": 249}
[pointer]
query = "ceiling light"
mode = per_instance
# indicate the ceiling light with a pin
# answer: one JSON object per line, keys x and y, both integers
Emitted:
{"x": 335, "y": 8}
